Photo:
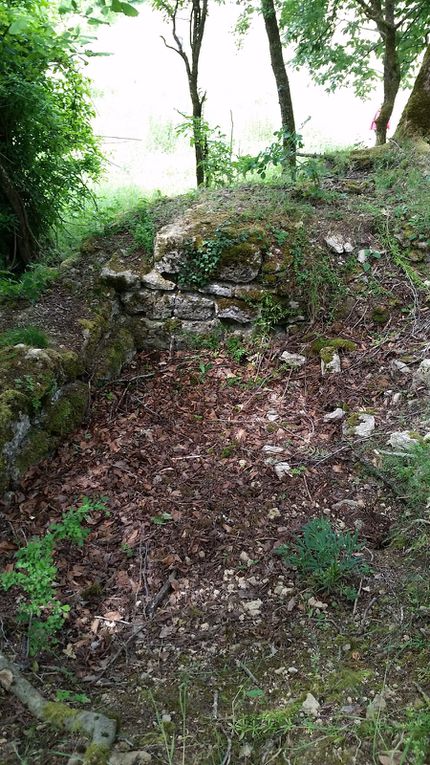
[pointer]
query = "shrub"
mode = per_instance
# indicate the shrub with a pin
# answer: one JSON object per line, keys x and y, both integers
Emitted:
{"x": 411, "y": 473}
{"x": 327, "y": 557}
{"x": 48, "y": 149}
{"x": 29, "y": 286}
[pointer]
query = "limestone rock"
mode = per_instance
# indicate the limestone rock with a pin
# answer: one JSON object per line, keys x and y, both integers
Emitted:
{"x": 282, "y": 470}
{"x": 241, "y": 266}
{"x": 375, "y": 707}
{"x": 402, "y": 440}
{"x": 193, "y": 307}
{"x": 336, "y": 414}
{"x": 336, "y": 243}
{"x": 422, "y": 375}
{"x": 311, "y": 706}
{"x": 217, "y": 288}
{"x": 330, "y": 361}
{"x": 400, "y": 366}
{"x": 154, "y": 281}
{"x": 361, "y": 425}
{"x": 236, "y": 310}
{"x": 121, "y": 280}
{"x": 293, "y": 360}
{"x": 151, "y": 304}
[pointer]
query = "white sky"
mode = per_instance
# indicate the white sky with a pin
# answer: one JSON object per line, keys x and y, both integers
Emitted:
{"x": 141, "y": 85}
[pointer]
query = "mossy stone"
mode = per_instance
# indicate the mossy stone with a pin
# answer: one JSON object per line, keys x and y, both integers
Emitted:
{"x": 37, "y": 445}
{"x": 65, "y": 413}
{"x": 380, "y": 314}
{"x": 337, "y": 343}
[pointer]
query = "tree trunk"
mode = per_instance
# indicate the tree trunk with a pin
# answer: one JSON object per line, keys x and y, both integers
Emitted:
{"x": 415, "y": 120}
{"x": 24, "y": 240}
{"x": 199, "y": 144}
{"x": 281, "y": 78}
{"x": 391, "y": 74}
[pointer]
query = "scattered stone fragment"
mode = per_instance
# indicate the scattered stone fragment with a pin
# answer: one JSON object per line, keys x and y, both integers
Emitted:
{"x": 282, "y": 469}
{"x": 293, "y": 360}
{"x": 346, "y": 503}
{"x": 362, "y": 256}
{"x": 400, "y": 366}
{"x": 273, "y": 513}
{"x": 292, "y": 670}
{"x": 330, "y": 361}
{"x": 375, "y": 707}
{"x": 422, "y": 374}
{"x": 253, "y": 607}
{"x": 314, "y": 603}
{"x": 311, "y": 706}
{"x": 272, "y": 416}
{"x": 269, "y": 449}
{"x": 336, "y": 243}
{"x": 360, "y": 424}
{"x": 336, "y": 414}
{"x": 402, "y": 440}
{"x": 245, "y": 751}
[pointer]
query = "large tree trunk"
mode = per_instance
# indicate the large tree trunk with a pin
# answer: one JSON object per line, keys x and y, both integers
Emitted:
{"x": 391, "y": 74}
{"x": 415, "y": 120}
{"x": 281, "y": 78}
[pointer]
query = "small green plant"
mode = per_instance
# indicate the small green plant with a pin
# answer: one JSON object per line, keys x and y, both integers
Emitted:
{"x": 29, "y": 286}
{"x": 217, "y": 165}
{"x": 202, "y": 260}
{"x": 161, "y": 520}
{"x": 235, "y": 348}
{"x": 321, "y": 284}
{"x": 74, "y": 698}
{"x": 273, "y": 312}
{"x": 411, "y": 470}
{"x": 416, "y": 744}
{"x": 144, "y": 229}
{"x": 203, "y": 370}
{"x": 127, "y": 550}
{"x": 275, "y": 155}
{"x": 271, "y": 722}
{"x": 35, "y": 573}
{"x": 28, "y": 335}
{"x": 327, "y": 557}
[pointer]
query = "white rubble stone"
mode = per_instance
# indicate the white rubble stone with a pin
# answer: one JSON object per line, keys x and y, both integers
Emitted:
{"x": 348, "y": 247}
{"x": 240, "y": 312}
{"x": 150, "y": 303}
{"x": 362, "y": 256}
{"x": 119, "y": 280}
{"x": 253, "y": 607}
{"x": 400, "y": 366}
{"x": 336, "y": 414}
{"x": 364, "y": 427}
{"x": 422, "y": 374}
{"x": 335, "y": 243}
{"x": 333, "y": 366}
{"x": 216, "y": 288}
{"x": 282, "y": 469}
{"x": 269, "y": 449}
{"x": 311, "y": 706}
{"x": 293, "y": 360}
{"x": 402, "y": 440}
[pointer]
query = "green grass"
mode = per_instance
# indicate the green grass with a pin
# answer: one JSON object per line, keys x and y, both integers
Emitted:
{"x": 32, "y": 336}
{"x": 29, "y": 286}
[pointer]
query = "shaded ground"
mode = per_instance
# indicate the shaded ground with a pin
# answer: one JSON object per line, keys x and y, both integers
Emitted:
{"x": 180, "y": 449}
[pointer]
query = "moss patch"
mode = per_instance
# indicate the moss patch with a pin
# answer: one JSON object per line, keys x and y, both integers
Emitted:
{"x": 337, "y": 343}
{"x": 65, "y": 414}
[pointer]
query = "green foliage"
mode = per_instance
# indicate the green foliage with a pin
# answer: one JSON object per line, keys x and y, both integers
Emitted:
{"x": 273, "y": 312}
{"x": 327, "y": 557}
{"x": 270, "y": 722}
{"x": 416, "y": 742}
{"x": 47, "y": 146}
{"x": 74, "y": 698}
{"x": 321, "y": 285}
{"x": 35, "y": 573}
{"x": 203, "y": 259}
{"x": 329, "y": 40}
{"x": 28, "y": 335}
{"x": 29, "y": 286}
{"x": 411, "y": 473}
{"x": 218, "y": 168}
{"x": 275, "y": 155}
{"x": 235, "y": 348}
{"x": 144, "y": 229}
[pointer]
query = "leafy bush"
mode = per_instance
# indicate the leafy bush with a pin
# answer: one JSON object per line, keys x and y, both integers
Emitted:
{"x": 218, "y": 167}
{"x": 35, "y": 574}
{"x": 47, "y": 147}
{"x": 327, "y": 557}
{"x": 27, "y": 335}
{"x": 144, "y": 230}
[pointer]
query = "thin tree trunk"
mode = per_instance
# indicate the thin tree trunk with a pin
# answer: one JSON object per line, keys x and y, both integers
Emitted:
{"x": 391, "y": 72}
{"x": 281, "y": 79}
{"x": 415, "y": 120}
{"x": 25, "y": 244}
{"x": 199, "y": 145}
